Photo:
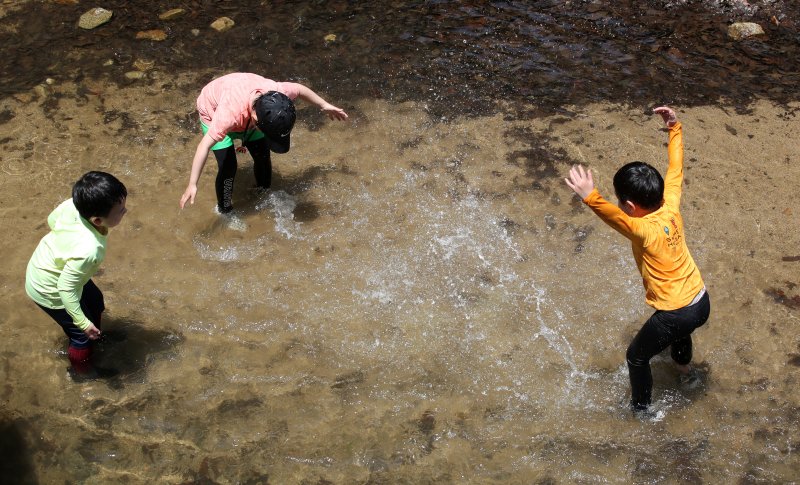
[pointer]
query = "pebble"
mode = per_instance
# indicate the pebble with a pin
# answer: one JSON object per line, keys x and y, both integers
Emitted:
{"x": 743, "y": 30}
{"x": 94, "y": 18}
{"x": 40, "y": 91}
{"x": 222, "y": 24}
{"x": 143, "y": 65}
{"x": 172, "y": 14}
{"x": 24, "y": 97}
{"x": 134, "y": 75}
{"x": 156, "y": 35}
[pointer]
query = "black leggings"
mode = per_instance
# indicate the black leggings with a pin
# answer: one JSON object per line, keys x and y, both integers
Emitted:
{"x": 226, "y": 161}
{"x": 663, "y": 329}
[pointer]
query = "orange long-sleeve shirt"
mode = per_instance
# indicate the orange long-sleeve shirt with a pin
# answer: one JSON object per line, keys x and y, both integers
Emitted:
{"x": 670, "y": 276}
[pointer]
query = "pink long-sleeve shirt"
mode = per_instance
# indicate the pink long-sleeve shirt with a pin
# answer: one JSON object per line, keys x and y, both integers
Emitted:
{"x": 224, "y": 104}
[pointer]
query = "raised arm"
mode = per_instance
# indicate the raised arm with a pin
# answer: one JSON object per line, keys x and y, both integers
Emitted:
{"x": 674, "y": 179}
{"x": 581, "y": 182}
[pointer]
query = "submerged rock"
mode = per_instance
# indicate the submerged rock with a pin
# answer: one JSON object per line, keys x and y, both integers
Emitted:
{"x": 172, "y": 14}
{"x": 94, "y": 18}
{"x": 155, "y": 35}
{"x": 40, "y": 90}
{"x": 222, "y": 24}
{"x": 743, "y": 30}
{"x": 143, "y": 64}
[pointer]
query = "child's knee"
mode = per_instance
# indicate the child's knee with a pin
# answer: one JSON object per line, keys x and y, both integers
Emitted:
{"x": 635, "y": 358}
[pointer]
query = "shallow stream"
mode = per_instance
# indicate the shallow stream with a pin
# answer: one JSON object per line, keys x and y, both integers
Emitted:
{"x": 420, "y": 298}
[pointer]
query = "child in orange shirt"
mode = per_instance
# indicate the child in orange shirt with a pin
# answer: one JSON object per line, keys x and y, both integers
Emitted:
{"x": 648, "y": 214}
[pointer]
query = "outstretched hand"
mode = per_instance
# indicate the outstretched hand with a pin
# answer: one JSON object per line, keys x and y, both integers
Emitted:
{"x": 668, "y": 114}
{"x": 580, "y": 181}
{"x": 333, "y": 112}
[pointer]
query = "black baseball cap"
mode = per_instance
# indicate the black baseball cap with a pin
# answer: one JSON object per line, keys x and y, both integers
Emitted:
{"x": 275, "y": 113}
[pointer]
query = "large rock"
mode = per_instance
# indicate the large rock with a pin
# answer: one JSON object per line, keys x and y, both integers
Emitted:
{"x": 743, "y": 30}
{"x": 222, "y": 24}
{"x": 94, "y": 18}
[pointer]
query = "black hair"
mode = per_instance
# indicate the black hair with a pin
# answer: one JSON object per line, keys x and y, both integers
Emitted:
{"x": 641, "y": 184}
{"x": 96, "y": 193}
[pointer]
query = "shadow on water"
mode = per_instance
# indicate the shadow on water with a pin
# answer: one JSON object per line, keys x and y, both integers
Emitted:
{"x": 15, "y": 466}
{"x": 458, "y": 57}
{"x": 130, "y": 348}
{"x": 248, "y": 202}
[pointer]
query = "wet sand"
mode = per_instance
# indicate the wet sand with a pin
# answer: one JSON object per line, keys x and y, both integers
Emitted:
{"x": 418, "y": 300}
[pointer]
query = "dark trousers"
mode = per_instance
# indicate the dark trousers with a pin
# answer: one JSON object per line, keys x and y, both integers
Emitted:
{"x": 92, "y": 304}
{"x": 226, "y": 161}
{"x": 663, "y": 329}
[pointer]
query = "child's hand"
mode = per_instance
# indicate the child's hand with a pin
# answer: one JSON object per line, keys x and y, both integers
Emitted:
{"x": 188, "y": 195}
{"x": 92, "y": 332}
{"x": 668, "y": 114}
{"x": 580, "y": 181}
{"x": 333, "y": 112}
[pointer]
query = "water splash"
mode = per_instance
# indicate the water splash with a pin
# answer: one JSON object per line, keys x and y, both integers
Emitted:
{"x": 282, "y": 206}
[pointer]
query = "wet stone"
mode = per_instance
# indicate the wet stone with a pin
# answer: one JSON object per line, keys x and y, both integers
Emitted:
{"x": 172, "y": 14}
{"x": 23, "y": 97}
{"x": 156, "y": 35}
{"x": 40, "y": 91}
{"x": 143, "y": 65}
{"x": 94, "y": 18}
{"x": 222, "y": 24}
{"x": 743, "y": 30}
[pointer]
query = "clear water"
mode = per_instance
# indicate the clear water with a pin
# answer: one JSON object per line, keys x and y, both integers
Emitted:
{"x": 419, "y": 299}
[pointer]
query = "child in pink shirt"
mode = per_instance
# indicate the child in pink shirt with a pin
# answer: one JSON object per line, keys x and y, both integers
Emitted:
{"x": 259, "y": 112}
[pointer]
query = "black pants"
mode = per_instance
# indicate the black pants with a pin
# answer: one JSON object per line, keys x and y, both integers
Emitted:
{"x": 663, "y": 329}
{"x": 226, "y": 161}
{"x": 92, "y": 304}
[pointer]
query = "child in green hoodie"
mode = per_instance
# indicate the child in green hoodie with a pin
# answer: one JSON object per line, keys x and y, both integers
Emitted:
{"x": 59, "y": 273}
